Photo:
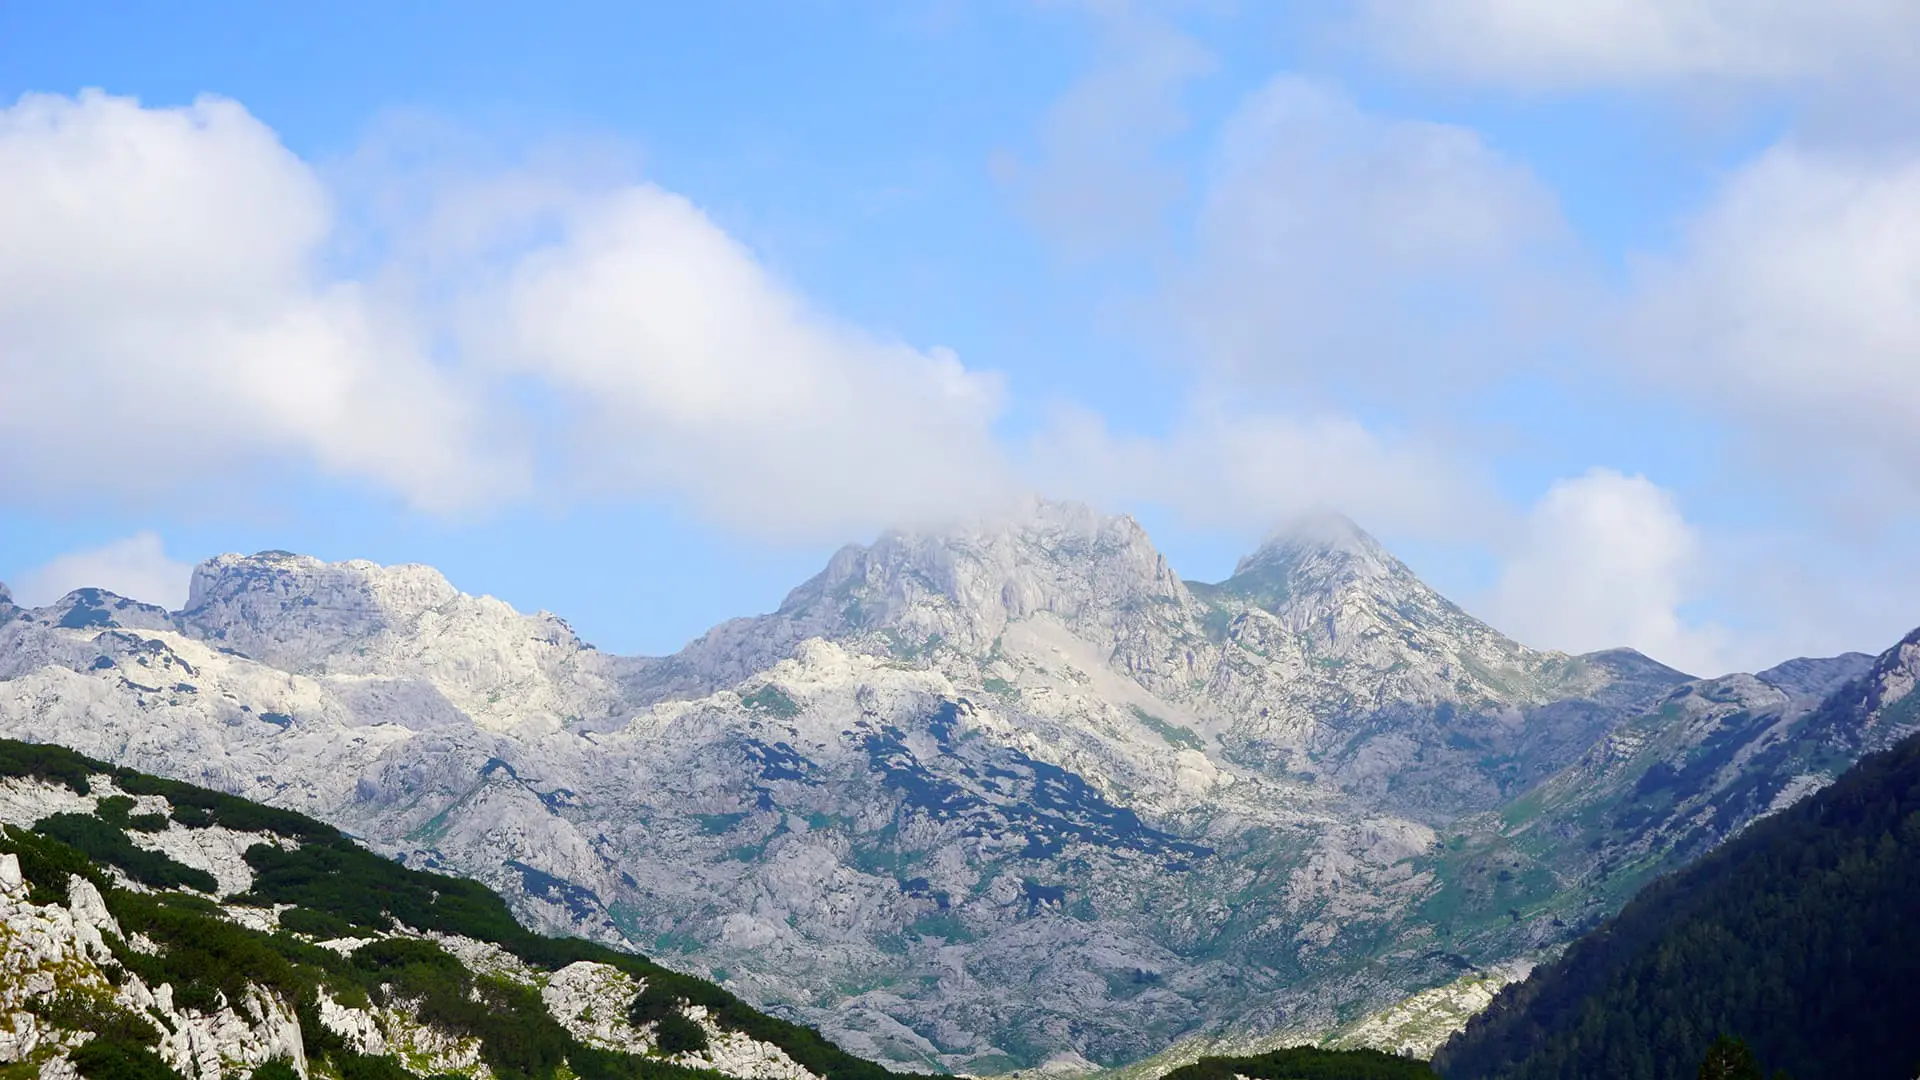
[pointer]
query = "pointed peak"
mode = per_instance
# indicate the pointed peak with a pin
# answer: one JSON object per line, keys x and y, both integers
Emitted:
{"x": 1318, "y": 534}
{"x": 1323, "y": 563}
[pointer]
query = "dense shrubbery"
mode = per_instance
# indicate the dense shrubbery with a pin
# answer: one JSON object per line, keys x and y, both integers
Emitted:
{"x": 1307, "y": 1063}
{"x": 1798, "y": 936}
{"x": 107, "y": 843}
{"x": 54, "y": 764}
{"x": 274, "y": 1070}
{"x": 351, "y": 883}
{"x": 673, "y": 1033}
{"x": 205, "y": 955}
{"x": 47, "y": 864}
{"x": 107, "y": 1059}
{"x": 321, "y": 925}
{"x": 122, "y": 1043}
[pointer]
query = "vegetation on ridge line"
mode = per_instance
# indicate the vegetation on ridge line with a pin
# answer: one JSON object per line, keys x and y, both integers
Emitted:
{"x": 1307, "y": 1063}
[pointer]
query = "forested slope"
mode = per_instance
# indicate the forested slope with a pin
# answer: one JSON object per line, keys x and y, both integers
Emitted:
{"x": 1798, "y": 937}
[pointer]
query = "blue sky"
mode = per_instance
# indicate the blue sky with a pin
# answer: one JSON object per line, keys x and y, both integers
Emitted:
{"x": 1600, "y": 314}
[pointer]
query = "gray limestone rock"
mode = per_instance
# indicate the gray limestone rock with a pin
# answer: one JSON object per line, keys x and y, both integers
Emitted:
{"x": 972, "y": 800}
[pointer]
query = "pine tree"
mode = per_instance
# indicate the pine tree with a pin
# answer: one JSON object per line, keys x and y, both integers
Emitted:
{"x": 1729, "y": 1059}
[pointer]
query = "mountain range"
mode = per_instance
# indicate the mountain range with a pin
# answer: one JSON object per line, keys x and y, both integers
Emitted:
{"x": 1001, "y": 796}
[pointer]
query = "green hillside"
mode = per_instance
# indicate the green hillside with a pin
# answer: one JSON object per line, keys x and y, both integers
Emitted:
{"x": 1798, "y": 938}
{"x": 324, "y": 925}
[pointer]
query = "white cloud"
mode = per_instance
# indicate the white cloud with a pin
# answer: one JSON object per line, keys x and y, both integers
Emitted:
{"x": 164, "y": 322}
{"x": 166, "y": 310}
{"x": 1572, "y": 44}
{"x": 1792, "y": 305}
{"x": 137, "y": 568}
{"x": 680, "y": 366}
{"x": 1098, "y": 185}
{"x": 1335, "y": 244}
{"x": 1223, "y": 467}
{"x": 1606, "y": 560}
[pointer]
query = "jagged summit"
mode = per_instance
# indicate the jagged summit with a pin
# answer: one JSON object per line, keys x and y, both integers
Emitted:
{"x": 387, "y": 593}
{"x": 1059, "y": 557}
{"x": 403, "y": 630}
{"x": 293, "y": 610}
{"x": 1325, "y": 577}
{"x": 1320, "y": 534}
{"x": 99, "y": 607}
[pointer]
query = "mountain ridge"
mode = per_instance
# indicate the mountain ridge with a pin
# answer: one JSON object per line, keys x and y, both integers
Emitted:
{"x": 949, "y": 780}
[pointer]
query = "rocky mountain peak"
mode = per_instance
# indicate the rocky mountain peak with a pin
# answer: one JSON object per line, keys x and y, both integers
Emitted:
{"x": 289, "y": 609}
{"x": 1893, "y": 678}
{"x": 1325, "y": 537}
{"x": 1325, "y": 576}
{"x": 84, "y": 608}
{"x": 967, "y": 582}
{"x": 957, "y": 588}
{"x": 7, "y": 607}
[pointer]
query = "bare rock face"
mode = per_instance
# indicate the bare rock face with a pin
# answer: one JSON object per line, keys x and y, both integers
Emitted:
{"x": 971, "y": 800}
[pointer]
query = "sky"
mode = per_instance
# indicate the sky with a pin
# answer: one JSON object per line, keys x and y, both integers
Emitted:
{"x": 1602, "y": 314}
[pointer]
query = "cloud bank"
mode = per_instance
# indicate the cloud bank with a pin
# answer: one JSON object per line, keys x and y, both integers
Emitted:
{"x": 165, "y": 318}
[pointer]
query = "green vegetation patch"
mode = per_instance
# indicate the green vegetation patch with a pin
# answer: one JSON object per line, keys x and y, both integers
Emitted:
{"x": 54, "y": 764}
{"x": 1307, "y": 1063}
{"x": 657, "y": 1006}
{"x": 103, "y": 842}
{"x": 772, "y": 699}
{"x": 1178, "y": 737}
{"x": 48, "y": 864}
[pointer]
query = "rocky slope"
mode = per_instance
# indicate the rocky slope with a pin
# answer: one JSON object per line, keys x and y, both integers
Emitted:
{"x": 149, "y": 929}
{"x": 1007, "y": 795}
{"x": 1663, "y": 789}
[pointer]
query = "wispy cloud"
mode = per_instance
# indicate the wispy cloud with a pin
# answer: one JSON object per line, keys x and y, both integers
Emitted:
{"x": 1586, "y": 44}
{"x": 136, "y": 567}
